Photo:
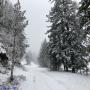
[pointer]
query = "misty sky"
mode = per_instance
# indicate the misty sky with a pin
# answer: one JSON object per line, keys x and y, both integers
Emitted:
{"x": 36, "y": 11}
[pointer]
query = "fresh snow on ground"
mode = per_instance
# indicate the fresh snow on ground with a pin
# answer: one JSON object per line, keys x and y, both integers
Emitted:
{"x": 38, "y": 78}
{"x": 41, "y": 79}
{"x": 71, "y": 81}
{"x": 3, "y": 78}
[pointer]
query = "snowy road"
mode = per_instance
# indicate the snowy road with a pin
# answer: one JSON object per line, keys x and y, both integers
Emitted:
{"x": 41, "y": 79}
{"x": 38, "y": 80}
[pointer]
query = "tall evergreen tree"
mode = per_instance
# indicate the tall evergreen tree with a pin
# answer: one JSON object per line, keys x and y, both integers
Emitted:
{"x": 64, "y": 35}
{"x": 84, "y": 14}
{"x": 13, "y": 23}
{"x": 19, "y": 45}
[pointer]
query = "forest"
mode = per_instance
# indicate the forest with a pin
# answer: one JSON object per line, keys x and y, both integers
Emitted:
{"x": 63, "y": 61}
{"x": 69, "y": 37}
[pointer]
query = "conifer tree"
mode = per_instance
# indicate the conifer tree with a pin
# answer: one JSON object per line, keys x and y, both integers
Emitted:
{"x": 64, "y": 35}
{"x": 13, "y": 23}
{"x": 19, "y": 45}
{"x": 84, "y": 15}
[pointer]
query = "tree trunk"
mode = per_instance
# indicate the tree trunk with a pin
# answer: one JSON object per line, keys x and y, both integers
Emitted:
{"x": 73, "y": 70}
{"x": 58, "y": 68}
{"x": 11, "y": 77}
{"x": 13, "y": 58}
{"x": 66, "y": 69}
{"x": 55, "y": 68}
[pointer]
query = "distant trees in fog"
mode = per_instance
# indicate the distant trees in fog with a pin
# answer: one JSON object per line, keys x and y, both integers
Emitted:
{"x": 29, "y": 57}
{"x": 43, "y": 58}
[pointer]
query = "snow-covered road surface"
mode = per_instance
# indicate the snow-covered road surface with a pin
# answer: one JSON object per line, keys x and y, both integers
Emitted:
{"x": 41, "y": 79}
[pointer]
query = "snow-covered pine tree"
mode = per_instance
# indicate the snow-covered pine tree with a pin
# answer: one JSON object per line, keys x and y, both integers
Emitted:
{"x": 19, "y": 45}
{"x": 64, "y": 35}
{"x": 84, "y": 15}
{"x": 12, "y": 25}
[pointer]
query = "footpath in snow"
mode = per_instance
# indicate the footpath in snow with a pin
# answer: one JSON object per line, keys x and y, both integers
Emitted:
{"x": 41, "y": 79}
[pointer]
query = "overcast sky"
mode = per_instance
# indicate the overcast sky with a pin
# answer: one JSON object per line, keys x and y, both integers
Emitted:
{"x": 36, "y": 11}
